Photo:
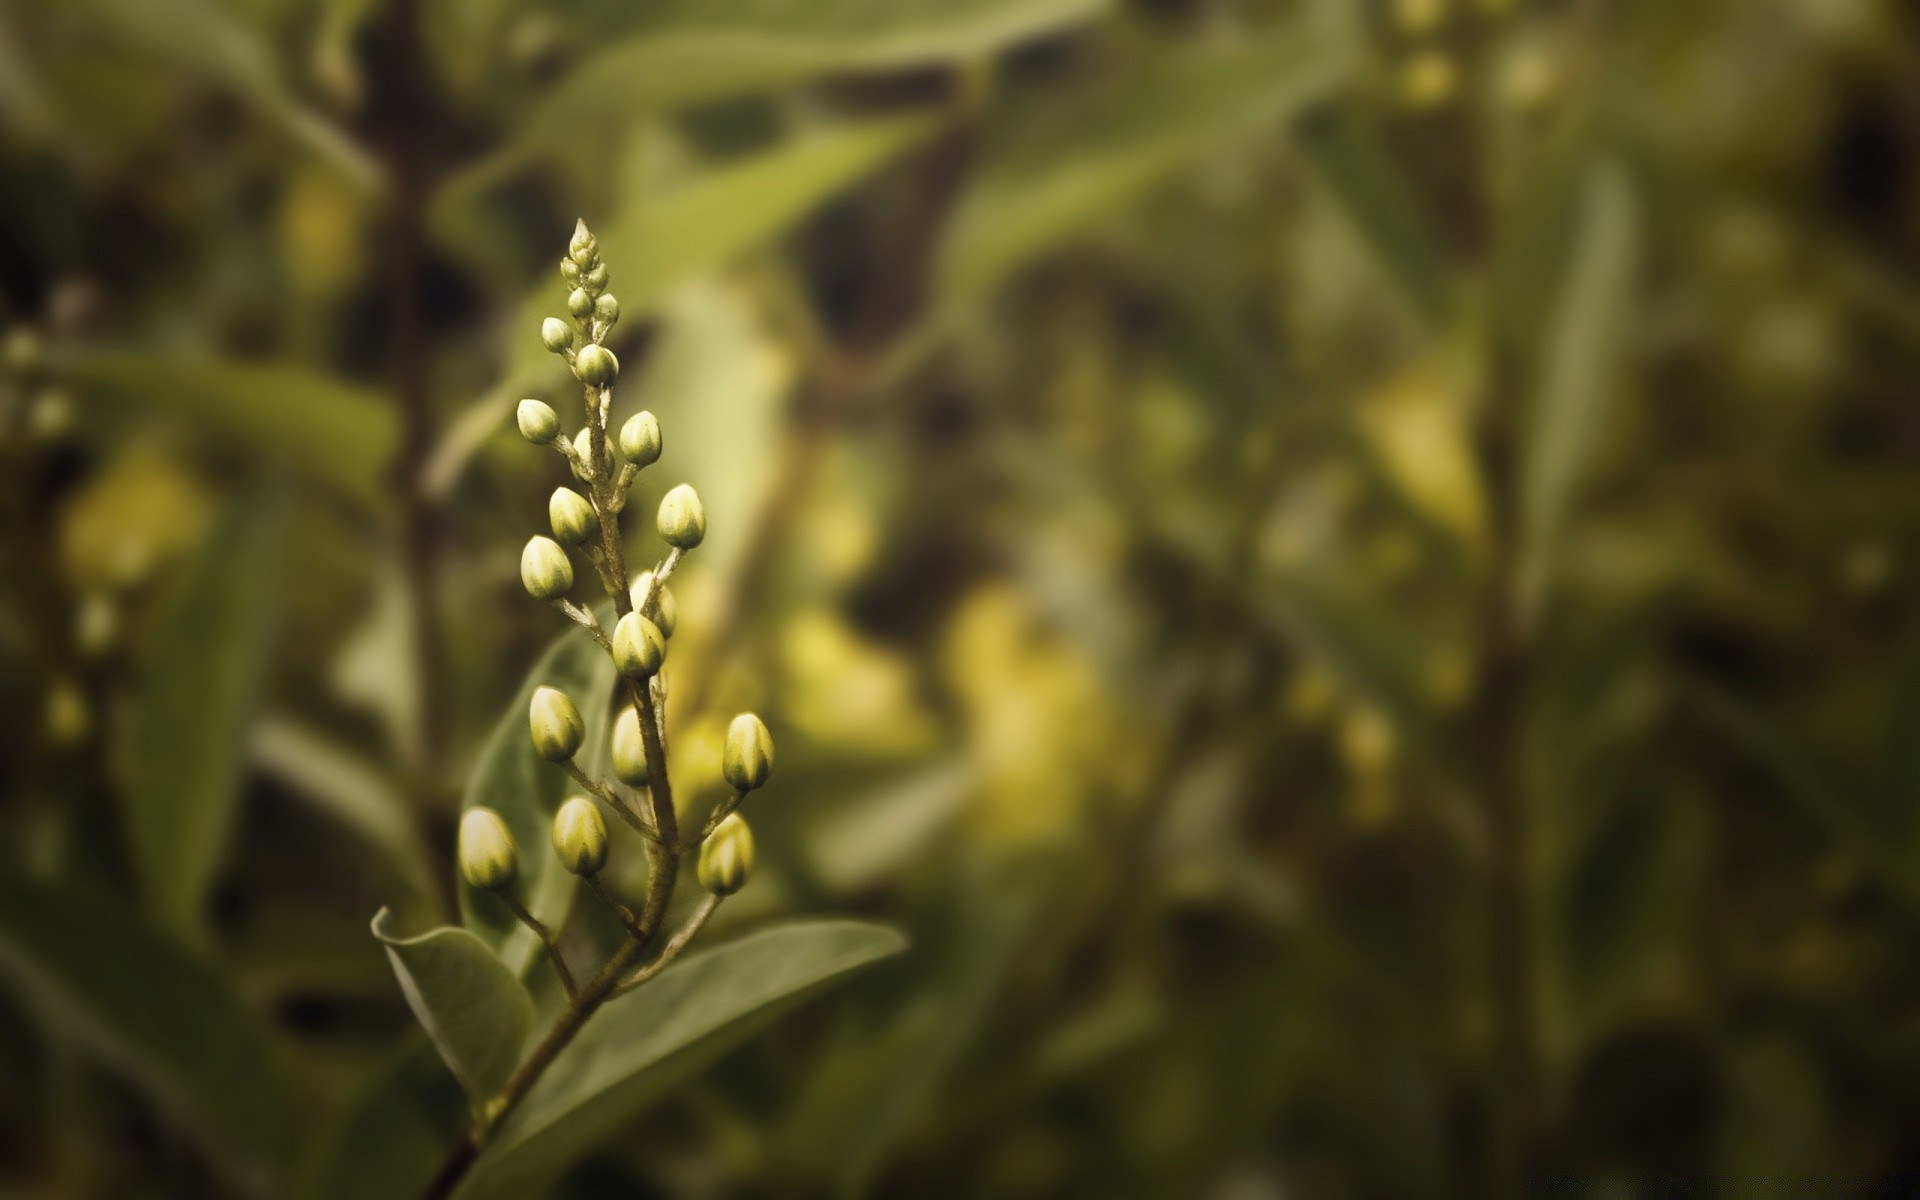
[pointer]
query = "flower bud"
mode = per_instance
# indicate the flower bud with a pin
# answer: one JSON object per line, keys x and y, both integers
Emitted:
{"x": 488, "y": 858}
{"x": 555, "y": 334}
{"x": 595, "y": 366}
{"x": 726, "y": 857}
{"x": 555, "y": 724}
{"x": 579, "y": 304}
{"x": 580, "y": 836}
{"x": 666, "y": 610}
{"x": 545, "y": 569}
{"x": 748, "y": 758}
{"x": 638, "y": 646}
{"x": 539, "y": 424}
{"x": 594, "y": 279}
{"x": 629, "y": 749}
{"x": 683, "y": 522}
{"x": 583, "y": 455}
{"x": 572, "y": 516}
{"x": 606, "y": 309}
{"x": 569, "y": 270}
{"x": 640, "y": 439}
{"x": 583, "y": 248}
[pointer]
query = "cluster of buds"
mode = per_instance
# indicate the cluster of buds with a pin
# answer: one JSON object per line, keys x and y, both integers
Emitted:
{"x": 585, "y": 526}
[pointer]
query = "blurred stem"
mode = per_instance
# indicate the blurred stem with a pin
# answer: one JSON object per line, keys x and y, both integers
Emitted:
{"x": 847, "y": 372}
{"x": 547, "y": 938}
{"x": 408, "y": 186}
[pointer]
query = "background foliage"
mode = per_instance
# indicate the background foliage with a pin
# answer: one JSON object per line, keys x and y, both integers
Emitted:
{"x": 1342, "y": 571}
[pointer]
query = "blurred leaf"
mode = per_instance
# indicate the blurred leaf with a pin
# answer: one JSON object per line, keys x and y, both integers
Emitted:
{"x": 335, "y": 432}
{"x": 206, "y": 39}
{"x": 472, "y": 1007}
{"x": 721, "y": 48}
{"x": 526, "y": 790}
{"x": 389, "y": 1142}
{"x": 1360, "y": 642}
{"x": 866, "y": 839}
{"x": 1381, "y": 203}
{"x": 1802, "y": 783}
{"x": 187, "y": 733}
{"x": 647, "y": 1041}
{"x": 1066, "y": 165}
{"x": 1580, "y": 370}
{"x": 126, "y": 994}
{"x": 661, "y": 241}
{"x": 350, "y": 790}
{"x": 23, "y": 101}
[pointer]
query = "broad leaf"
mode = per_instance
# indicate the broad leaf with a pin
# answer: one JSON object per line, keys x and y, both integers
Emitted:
{"x": 647, "y": 1041}
{"x": 526, "y": 790}
{"x": 128, "y": 995}
{"x": 188, "y": 730}
{"x": 1580, "y": 369}
{"x": 472, "y": 1007}
{"x": 720, "y": 48}
{"x": 332, "y": 431}
{"x": 1067, "y": 165}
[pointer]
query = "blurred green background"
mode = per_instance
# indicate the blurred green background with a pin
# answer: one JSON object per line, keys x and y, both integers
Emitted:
{"x": 1343, "y": 570}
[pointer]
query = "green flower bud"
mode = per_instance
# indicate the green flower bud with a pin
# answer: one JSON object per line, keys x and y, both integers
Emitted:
{"x": 748, "y": 758}
{"x": 555, "y": 334}
{"x": 640, "y": 439}
{"x": 579, "y": 304}
{"x": 572, "y": 516}
{"x": 539, "y": 424}
{"x": 629, "y": 749}
{"x": 555, "y": 724}
{"x": 606, "y": 309}
{"x": 726, "y": 857}
{"x": 569, "y": 270}
{"x": 666, "y": 610}
{"x": 683, "y": 522}
{"x": 595, "y": 366}
{"x": 545, "y": 569}
{"x": 488, "y": 858}
{"x": 580, "y": 836}
{"x": 638, "y": 646}
{"x": 595, "y": 279}
{"x": 584, "y": 247}
{"x": 582, "y": 455}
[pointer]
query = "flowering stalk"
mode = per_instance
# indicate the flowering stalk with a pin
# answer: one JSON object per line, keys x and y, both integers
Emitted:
{"x": 607, "y": 463}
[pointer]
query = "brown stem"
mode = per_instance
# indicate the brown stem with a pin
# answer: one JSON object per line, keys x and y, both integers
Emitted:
{"x": 601, "y": 988}
{"x": 547, "y": 939}
{"x": 408, "y": 189}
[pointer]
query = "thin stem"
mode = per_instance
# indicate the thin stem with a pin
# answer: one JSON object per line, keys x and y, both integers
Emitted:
{"x": 672, "y": 949}
{"x": 721, "y": 812}
{"x": 585, "y": 619}
{"x": 613, "y": 905}
{"x": 611, "y": 799}
{"x": 547, "y": 938}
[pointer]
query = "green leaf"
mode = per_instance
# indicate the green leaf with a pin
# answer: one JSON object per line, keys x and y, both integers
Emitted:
{"x": 392, "y": 1137}
{"x": 349, "y": 789}
{"x": 188, "y": 731}
{"x": 1580, "y": 369}
{"x": 205, "y": 39}
{"x": 526, "y": 790}
{"x": 94, "y": 973}
{"x": 1068, "y": 164}
{"x": 647, "y": 1041}
{"x": 334, "y": 432}
{"x": 472, "y": 1007}
{"x": 721, "y": 48}
{"x": 1353, "y": 161}
{"x": 1357, "y": 640}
